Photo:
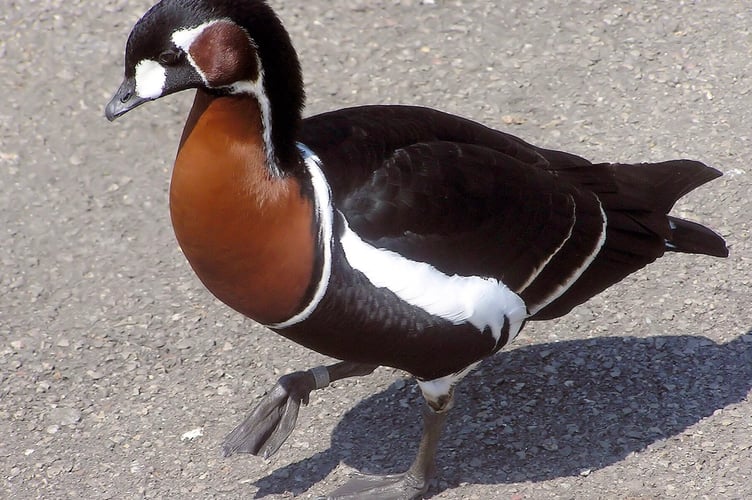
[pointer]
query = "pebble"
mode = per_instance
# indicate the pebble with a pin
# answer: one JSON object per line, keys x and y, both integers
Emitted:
{"x": 65, "y": 416}
{"x": 184, "y": 343}
{"x": 398, "y": 384}
{"x": 192, "y": 434}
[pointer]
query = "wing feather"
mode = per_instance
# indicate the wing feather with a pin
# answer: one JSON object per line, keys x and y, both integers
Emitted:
{"x": 473, "y": 201}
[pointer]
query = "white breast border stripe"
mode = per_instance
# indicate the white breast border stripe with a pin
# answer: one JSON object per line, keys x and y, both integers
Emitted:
{"x": 482, "y": 302}
{"x": 325, "y": 211}
{"x": 559, "y": 291}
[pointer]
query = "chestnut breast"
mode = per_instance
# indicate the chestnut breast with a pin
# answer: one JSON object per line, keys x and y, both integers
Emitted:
{"x": 247, "y": 233}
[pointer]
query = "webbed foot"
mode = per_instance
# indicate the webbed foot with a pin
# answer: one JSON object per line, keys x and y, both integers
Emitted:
{"x": 406, "y": 486}
{"x": 267, "y": 427}
{"x": 271, "y": 422}
{"x": 413, "y": 483}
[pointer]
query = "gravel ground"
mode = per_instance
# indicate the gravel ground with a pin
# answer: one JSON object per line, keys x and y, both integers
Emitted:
{"x": 111, "y": 351}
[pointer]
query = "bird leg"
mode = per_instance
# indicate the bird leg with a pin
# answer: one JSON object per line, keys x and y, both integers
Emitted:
{"x": 413, "y": 483}
{"x": 270, "y": 423}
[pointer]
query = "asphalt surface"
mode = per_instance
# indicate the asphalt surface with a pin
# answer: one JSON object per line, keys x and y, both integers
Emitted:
{"x": 111, "y": 350}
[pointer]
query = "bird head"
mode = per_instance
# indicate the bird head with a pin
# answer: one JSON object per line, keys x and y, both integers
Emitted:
{"x": 224, "y": 47}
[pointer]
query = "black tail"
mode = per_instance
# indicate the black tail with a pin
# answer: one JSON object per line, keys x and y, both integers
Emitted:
{"x": 636, "y": 200}
{"x": 662, "y": 185}
{"x": 691, "y": 237}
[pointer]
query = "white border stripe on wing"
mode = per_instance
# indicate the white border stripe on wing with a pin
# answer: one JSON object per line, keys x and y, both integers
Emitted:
{"x": 559, "y": 291}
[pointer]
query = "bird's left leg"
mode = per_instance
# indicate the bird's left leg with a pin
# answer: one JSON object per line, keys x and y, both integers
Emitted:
{"x": 269, "y": 424}
{"x": 415, "y": 481}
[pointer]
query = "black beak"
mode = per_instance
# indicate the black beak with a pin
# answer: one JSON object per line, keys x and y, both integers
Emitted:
{"x": 124, "y": 100}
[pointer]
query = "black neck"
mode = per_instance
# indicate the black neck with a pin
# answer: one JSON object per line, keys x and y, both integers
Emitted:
{"x": 283, "y": 80}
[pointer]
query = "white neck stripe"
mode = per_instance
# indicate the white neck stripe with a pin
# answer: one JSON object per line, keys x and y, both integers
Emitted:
{"x": 185, "y": 38}
{"x": 256, "y": 89}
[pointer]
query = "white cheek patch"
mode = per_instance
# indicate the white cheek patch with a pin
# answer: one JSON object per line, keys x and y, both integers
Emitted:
{"x": 150, "y": 79}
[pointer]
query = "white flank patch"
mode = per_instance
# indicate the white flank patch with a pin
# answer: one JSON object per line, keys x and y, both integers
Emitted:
{"x": 482, "y": 302}
{"x": 559, "y": 291}
{"x": 325, "y": 211}
{"x": 150, "y": 79}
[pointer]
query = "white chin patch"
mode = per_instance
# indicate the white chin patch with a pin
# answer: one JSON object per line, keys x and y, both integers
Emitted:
{"x": 150, "y": 79}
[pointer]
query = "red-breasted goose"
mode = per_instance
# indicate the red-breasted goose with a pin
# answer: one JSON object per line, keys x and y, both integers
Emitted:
{"x": 380, "y": 235}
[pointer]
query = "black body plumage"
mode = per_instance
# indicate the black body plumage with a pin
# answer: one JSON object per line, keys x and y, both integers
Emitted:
{"x": 471, "y": 200}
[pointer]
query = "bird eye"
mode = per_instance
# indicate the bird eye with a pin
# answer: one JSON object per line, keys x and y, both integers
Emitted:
{"x": 170, "y": 57}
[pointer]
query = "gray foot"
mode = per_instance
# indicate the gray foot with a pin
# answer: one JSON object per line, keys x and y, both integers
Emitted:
{"x": 393, "y": 487}
{"x": 273, "y": 419}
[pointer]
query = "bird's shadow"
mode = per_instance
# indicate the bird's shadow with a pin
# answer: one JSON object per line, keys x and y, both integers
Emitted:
{"x": 541, "y": 412}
